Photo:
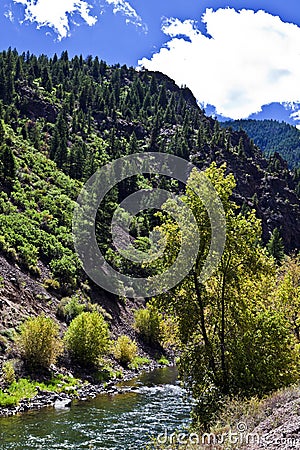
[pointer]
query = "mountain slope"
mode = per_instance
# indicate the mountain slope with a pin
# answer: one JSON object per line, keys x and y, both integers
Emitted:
{"x": 272, "y": 136}
{"x": 61, "y": 119}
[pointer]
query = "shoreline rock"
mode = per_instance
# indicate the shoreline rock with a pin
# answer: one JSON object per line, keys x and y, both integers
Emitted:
{"x": 85, "y": 392}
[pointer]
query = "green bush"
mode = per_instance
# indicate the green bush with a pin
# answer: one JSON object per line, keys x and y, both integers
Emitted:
{"x": 65, "y": 269}
{"x": 148, "y": 323}
{"x": 125, "y": 350}
{"x": 39, "y": 342}
{"x": 69, "y": 308}
{"x": 163, "y": 361}
{"x": 49, "y": 283}
{"x": 87, "y": 338}
{"x": 7, "y": 400}
{"x": 138, "y": 361}
{"x": 8, "y": 373}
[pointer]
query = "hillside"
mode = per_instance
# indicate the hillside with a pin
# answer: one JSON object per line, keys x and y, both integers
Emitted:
{"x": 60, "y": 120}
{"x": 272, "y": 136}
{"x": 84, "y": 113}
{"x": 63, "y": 118}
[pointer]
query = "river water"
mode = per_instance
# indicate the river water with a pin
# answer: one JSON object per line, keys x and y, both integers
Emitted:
{"x": 148, "y": 405}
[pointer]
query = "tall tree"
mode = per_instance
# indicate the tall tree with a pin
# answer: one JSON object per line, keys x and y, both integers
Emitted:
{"x": 275, "y": 246}
{"x": 223, "y": 349}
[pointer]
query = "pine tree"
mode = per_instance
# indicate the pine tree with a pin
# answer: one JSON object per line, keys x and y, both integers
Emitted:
{"x": 2, "y": 132}
{"x": 46, "y": 79}
{"x": 8, "y": 163}
{"x": 275, "y": 246}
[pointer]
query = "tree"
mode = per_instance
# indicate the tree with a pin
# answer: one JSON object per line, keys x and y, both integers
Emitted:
{"x": 288, "y": 291}
{"x": 2, "y": 131}
{"x": 46, "y": 79}
{"x": 59, "y": 143}
{"x": 228, "y": 327}
{"x": 87, "y": 338}
{"x": 8, "y": 163}
{"x": 275, "y": 246}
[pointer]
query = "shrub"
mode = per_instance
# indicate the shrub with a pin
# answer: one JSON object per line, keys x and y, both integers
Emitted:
{"x": 7, "y": 400}
{"x": 163, "y": 361}
{"x": 39, "y": 342}
{"x": 65, "y": 269}
{"x": 69, "y": 308}
{"x": 125, "y": 350}
{"x": 138, "y": 361}
{"x": 147, "y": 322}
{"x": 87, "y": 338}
{"x": 49, "y": 283}
{"x": 8, "y": 373}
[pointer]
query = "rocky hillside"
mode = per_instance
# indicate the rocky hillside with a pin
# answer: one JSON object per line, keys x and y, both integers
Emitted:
{"x": 61, "y": 119}
{"x": 83, "y": 113}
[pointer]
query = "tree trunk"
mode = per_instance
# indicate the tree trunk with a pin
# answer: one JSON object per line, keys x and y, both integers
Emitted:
{"x": 207, "y": 343}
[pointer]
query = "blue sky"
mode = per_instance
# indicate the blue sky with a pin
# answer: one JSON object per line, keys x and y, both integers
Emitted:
{"x": 235, "y": 55}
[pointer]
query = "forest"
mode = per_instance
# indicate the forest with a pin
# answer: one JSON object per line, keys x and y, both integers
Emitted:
{"x": 236, "y": 334}
{"x": 272, "y": 136}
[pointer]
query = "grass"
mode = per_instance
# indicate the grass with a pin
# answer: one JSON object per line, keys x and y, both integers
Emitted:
{"x": 137, "y": 362}
{"x": 25, "y": 388}
{"x": 163, "y": 361}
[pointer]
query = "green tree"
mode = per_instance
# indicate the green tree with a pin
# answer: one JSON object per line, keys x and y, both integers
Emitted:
{"x": 8, "y": 163}
{"x": 288, "y": 291}
{"x": 275, "y": 246}
{"x": 2, "y": 132}
{"x": 218, "y": 319}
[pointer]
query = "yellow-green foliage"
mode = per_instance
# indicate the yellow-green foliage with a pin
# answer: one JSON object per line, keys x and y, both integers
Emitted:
{"x": 148, "y": 322}
{"x": 139, "y": 361}
{"x": 25, "y": 388}
{"x": 39, "y": 342}
{"x": 87, "y": 338}
{"x": 125, "y": 350}
{"x": 8, "y": 372}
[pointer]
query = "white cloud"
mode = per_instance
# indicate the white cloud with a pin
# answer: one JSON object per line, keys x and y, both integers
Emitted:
{"x": 296, "y": 116}
{"x": 245, "y": 61}
{"x": 9, "y": 15}
{"x": 56, "y": 14}
{"x": 123, "y": 7}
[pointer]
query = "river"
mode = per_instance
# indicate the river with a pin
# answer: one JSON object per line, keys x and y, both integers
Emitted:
{"x": 148, "y": 405}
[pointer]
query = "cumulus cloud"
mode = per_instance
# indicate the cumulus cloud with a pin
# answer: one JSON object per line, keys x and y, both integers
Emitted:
{"x": 56, "y": 14}
{"x": 245, "y": 60}
{"x": 123, "y": 7}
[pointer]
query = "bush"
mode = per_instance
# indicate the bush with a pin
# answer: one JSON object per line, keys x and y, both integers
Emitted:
{"x": 69, "y": 308}
{"x": 39, "y": 342}
{"x": 65, "y": 269}
{"x": 8, "y": 373}
{"x": 148, "y": 322}
{"x": 139, "y": 361}
{"x": 49, "y": 283}
{"x": 163, "y": 361}
{"x": 125, "y": 350}
{"x": 87, "y": 338}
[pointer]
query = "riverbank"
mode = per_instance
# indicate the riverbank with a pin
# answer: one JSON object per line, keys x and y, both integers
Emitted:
{"x": 145, "y": 408}
{"x": 82, "y": 392}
